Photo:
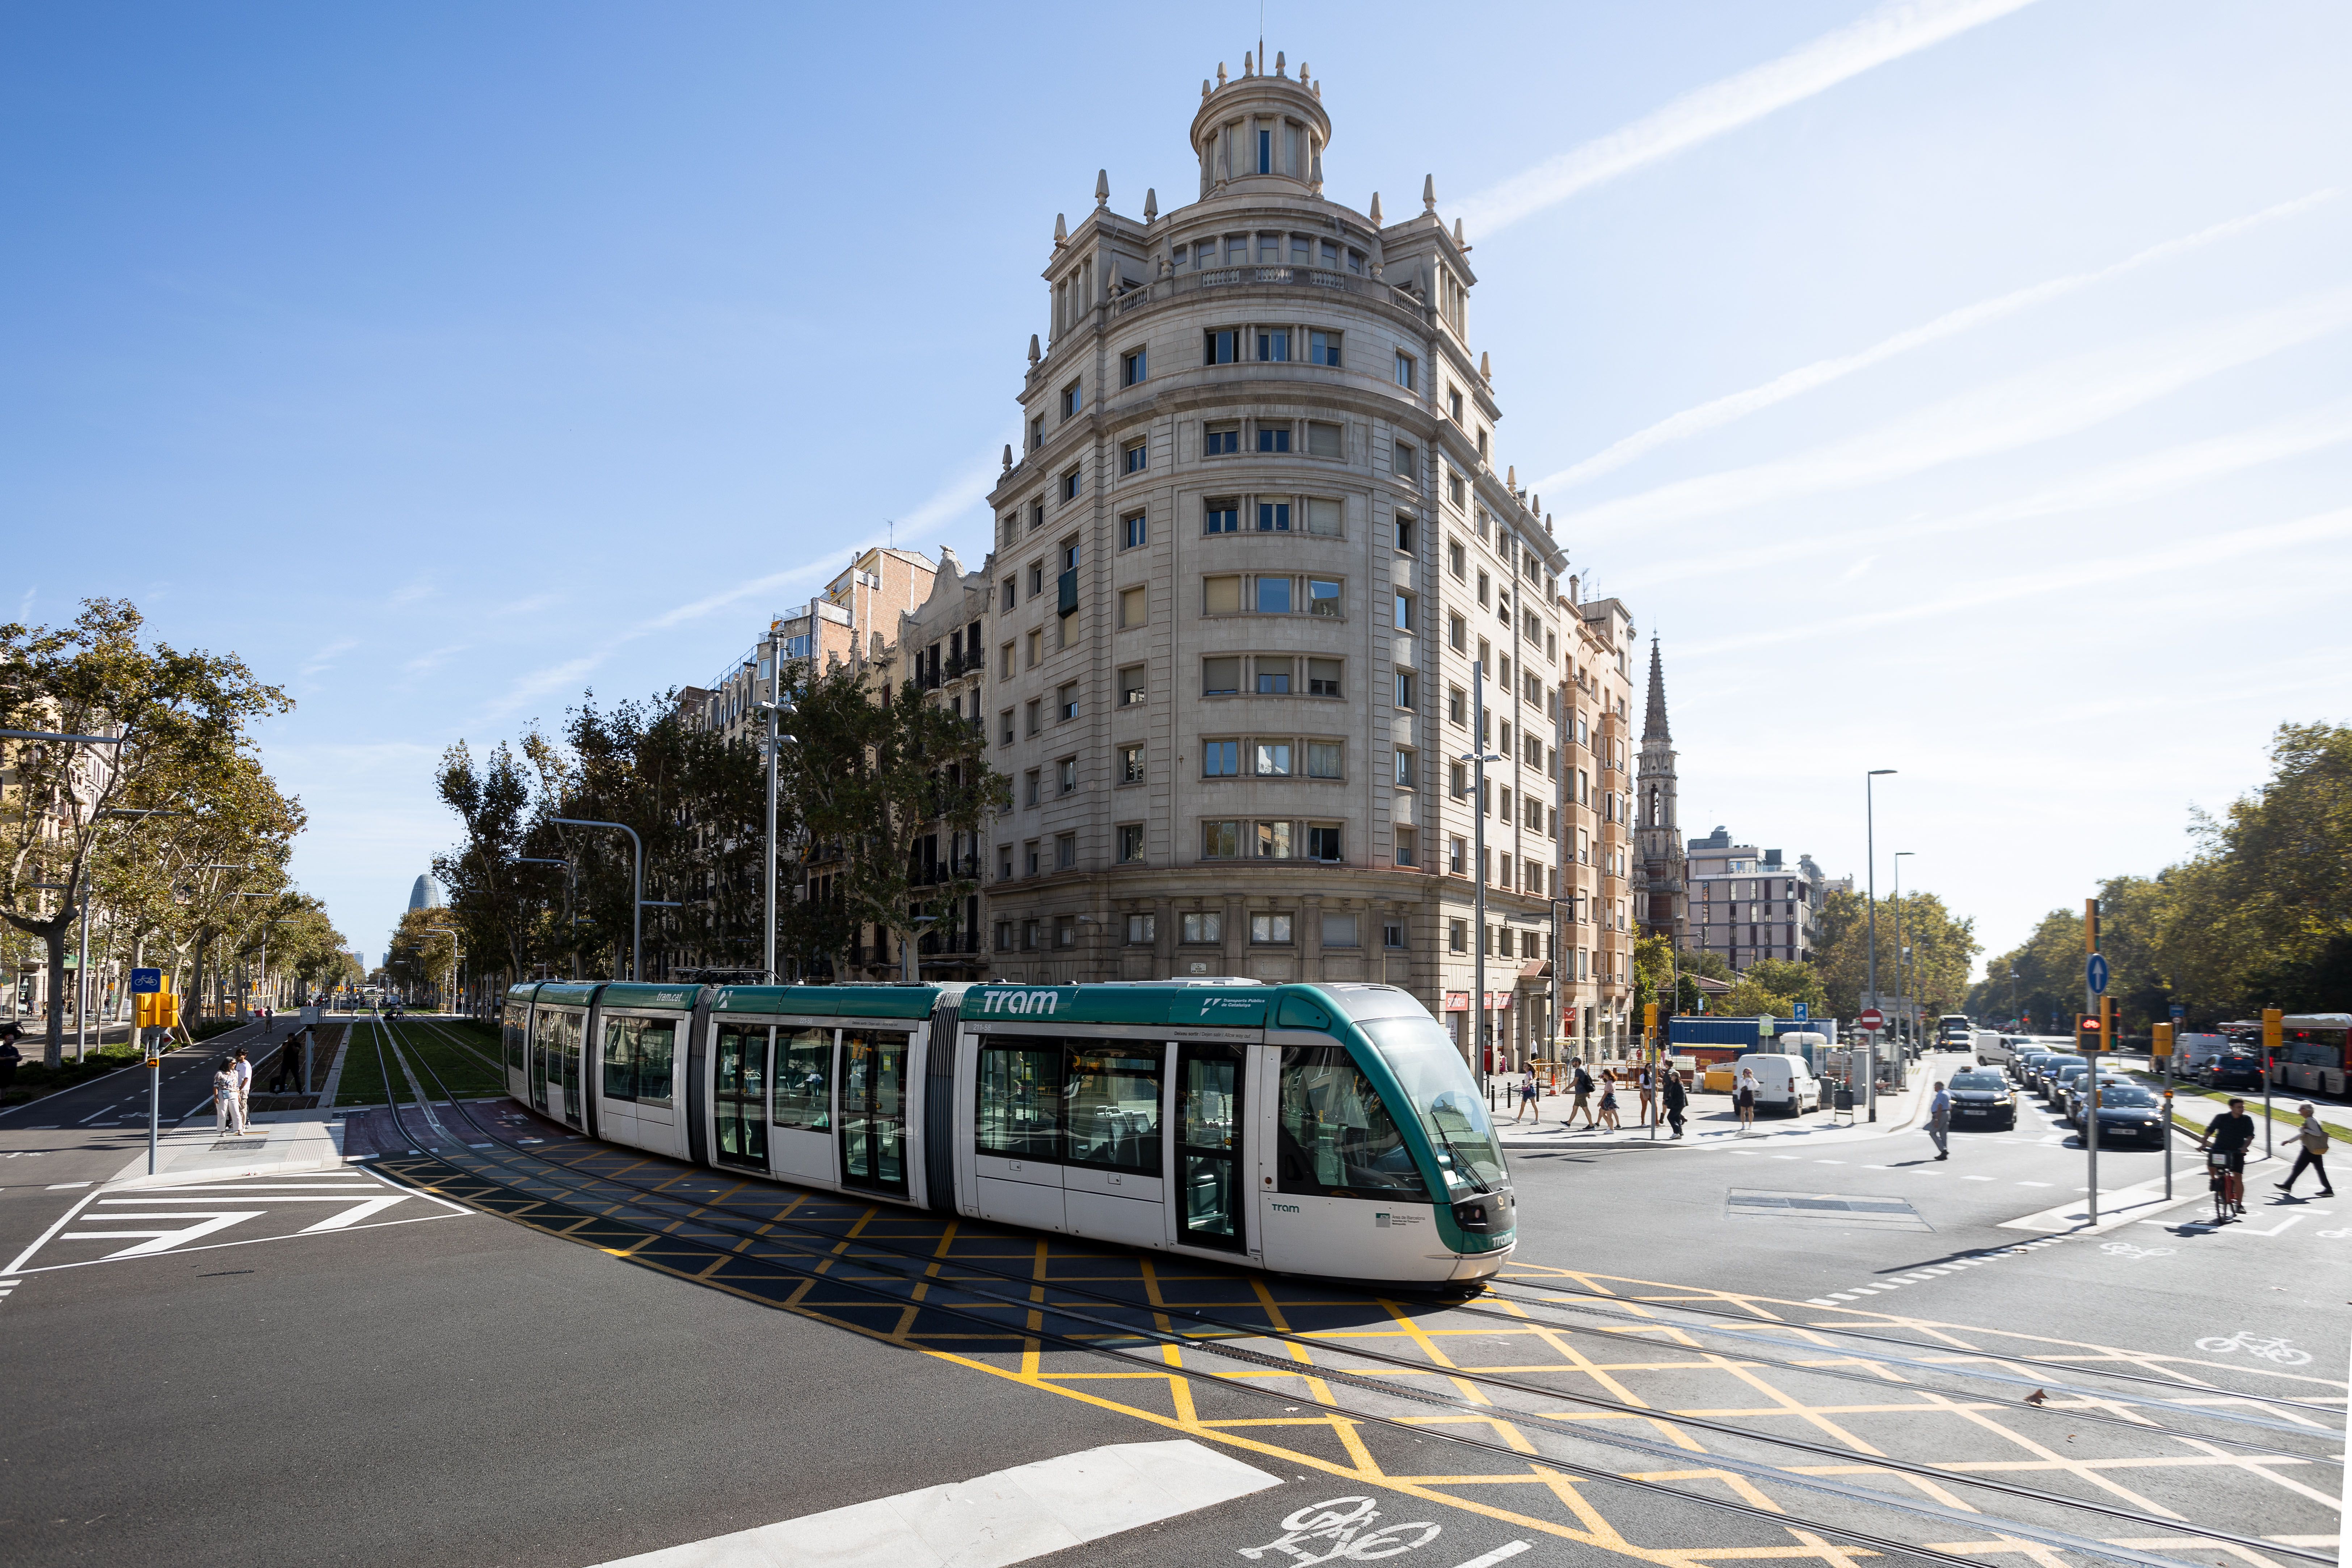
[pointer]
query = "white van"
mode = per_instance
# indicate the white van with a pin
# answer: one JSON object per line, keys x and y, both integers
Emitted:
{"x": 1990, "y": 1048}
{"x": 2191, "y": 1052}
{"x": 1783, "y": 1083}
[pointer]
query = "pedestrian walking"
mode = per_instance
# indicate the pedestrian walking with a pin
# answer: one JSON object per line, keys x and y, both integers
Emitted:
{"x": 1676, "y": 1100}
{"x": 242, "y": 1071}
{"x": 1528, "y": 1103}
{"x": 224, "y": 1096}
{"x": 1583, "y": 1087}
{"x": 1608, "y": 1099}
{"x": 9, "y": 1056}
{"x": 1645, "y": 1080}
{"x": 1940, "y": 1122}
{"x": 1743, "y": 1100}
{"x": 2313, "y": 1139}
{"x": 289, "y": 1068}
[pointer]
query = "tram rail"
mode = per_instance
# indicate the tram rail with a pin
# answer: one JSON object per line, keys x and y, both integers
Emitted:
{"x": 923, "y": 1275}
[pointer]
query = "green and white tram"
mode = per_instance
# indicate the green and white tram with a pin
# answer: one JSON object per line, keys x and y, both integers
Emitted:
{"x": 1321, "y": 1130}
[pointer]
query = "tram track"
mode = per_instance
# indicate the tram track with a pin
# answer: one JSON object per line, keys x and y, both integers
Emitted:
{"x": 925, "y": 1279}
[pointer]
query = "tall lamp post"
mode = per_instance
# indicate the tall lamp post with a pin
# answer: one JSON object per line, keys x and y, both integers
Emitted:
{"x": 1478, "y": 757}
{"x": 1902, "y": 1046}
{"x": 637, "y": 897}
{"x": 775, "y": 707}
{"x": 1869, "y": 916}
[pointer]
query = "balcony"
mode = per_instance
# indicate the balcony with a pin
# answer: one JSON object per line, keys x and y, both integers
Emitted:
{"x": 1315, "y": 277}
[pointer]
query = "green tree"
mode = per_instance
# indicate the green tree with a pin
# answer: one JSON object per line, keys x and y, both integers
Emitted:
{"x": 1938, "y": 951}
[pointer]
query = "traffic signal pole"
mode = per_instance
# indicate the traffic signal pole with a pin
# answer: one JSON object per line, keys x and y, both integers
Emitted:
{"x": 2091, "y": 1113}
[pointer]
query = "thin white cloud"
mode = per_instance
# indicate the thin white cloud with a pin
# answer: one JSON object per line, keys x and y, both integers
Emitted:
{"x": 2199, "y": 553}
{"x": 2139, "y": 479}
{"x": 426, "y": 663}
{"x": 1718, "y": 412}
{"x": 324, "y": 659}
{"x": 956, "y": 495}
{"x": 25, "y": 604}
{"x": 1889, "y": 33}
{"x": 413, "y": 590}
{"x": 2055, "y": 400}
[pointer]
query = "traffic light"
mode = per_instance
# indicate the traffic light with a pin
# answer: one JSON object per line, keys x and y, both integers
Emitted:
{"x": 2161, "y": 1045}
{"x": 2272, "y": 1031}
{"x": 1650, "y": 1019}
{"x": 2107, "y": 1022}
{"x": 2086, "y": 1033}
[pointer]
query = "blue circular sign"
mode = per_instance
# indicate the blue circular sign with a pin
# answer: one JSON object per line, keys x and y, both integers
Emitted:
{"x": 2095, "y": 973}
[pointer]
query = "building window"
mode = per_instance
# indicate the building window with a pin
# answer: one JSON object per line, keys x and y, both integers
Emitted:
{"x": 1130, "y": 686}
{"x": 1323, "y": 842}
{"x": 1065, "y": 777}
{"x": 1065, "y": 701}
{"x": 1005, "y": 739}
{"x": 1071, "y": 483}
{"x": 1074, "y": 398}
{"x": 1453, "y": 403}
{"x": 1407, "y": 464}
{"x": 1135, "y": 457}
{"x": 1143, "y": 930}
{"x": 1221, "y": 840}
{"x": 1323, "y": 597}
{"x": 1029, "y": 858}
{"x": 1403, "y": 534}
{"x": 1274, "y": 347}
{"x": 1407, "y": 762}
{"x": 1323, "y": 678}
{"x": 1323, "y": 759}
{"x": 1221, "y": 517}
{"x": 1456, "y": 630}
{"x": 1323, "y": 348}
{"x": 1456, "y": 850}
{"x": 1131, "y": 368}
{"x": 1407, "y": 847}
{"x": 1269, "y": 930}
{"x": 1066, "y": 931}
{"x": 1272, "y": 840}
{"x": 1273, "y": 596}
{"x": 1405, "y": 690}
{"x": 1220, "y": 677}
{"x": 1273, "y": 516}
{"x": 1220, "y": 347}
{"x": 1028, "y": 936}
{"x": 1030, "y": 711}
{"x": 1455, "y": 707}
{"x": 1481, "y": 443}
{"x": 1004, "y": 862}
{"x": 1203, "y": 926}
{"x": 1221, "y": 595}
{"x": 1130, "y": 843}
{"x": 1457, "y": 936}
{"x": 1065, "y": 853}
{"x": 1405, "y": 371}
{"x": 1130, "y": 765}
{"x": 1133, "y": 605}
{"x": 1221, "y": 759}
{"x": 1340, "y": 930}
{"x": 1133, "y": 529}
{"x": 1455, "y": 491}
{"x": 1486, "y": 586}
{"x": 1393, "y": 935}
{"x": 1323, "y": 519}
{"x": 1274, "y": 677}
{"x": 1404, "y": 620}
{"x": 1220, "y": 440}
{"x": 1270, "y": 759}
{"x": 1004, "y": 936}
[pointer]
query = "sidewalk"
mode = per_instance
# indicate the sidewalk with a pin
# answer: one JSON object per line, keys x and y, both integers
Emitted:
{"x": 278, "y": 1143}
{"x": 1711, "y": 1121}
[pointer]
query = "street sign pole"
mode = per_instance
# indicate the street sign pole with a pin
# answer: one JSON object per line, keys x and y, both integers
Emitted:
{"x": 147, "y": 983}
{"x": 2272, "y": 1017}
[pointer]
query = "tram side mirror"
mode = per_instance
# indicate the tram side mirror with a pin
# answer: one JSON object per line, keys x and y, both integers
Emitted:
{"x": 1298, "y": 1013}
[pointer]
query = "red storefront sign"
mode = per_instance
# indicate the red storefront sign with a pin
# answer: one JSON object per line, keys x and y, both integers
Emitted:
{"x": 1459, "y": 1001}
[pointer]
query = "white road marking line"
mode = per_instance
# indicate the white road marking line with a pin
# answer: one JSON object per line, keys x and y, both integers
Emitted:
{"x": 1003, "y": 1517}
{"x": 1500, "y": 1554}
{"x": 163, "y": 1240}
{"x": 2034, "y": 1184}
{"x": 64, "y": 1186}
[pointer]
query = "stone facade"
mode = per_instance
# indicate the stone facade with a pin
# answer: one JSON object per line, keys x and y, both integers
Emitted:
{"x": 1253, "y": 541}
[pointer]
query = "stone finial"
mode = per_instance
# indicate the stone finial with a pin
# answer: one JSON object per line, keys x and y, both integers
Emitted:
{"x": 1033, "y": 348}
{"x": 1459, "y": 243}
{"x": 1535, "y": 504}
{"x": 1220, "y": 73}
{"x": 1278, "y": 62}
{"x": 1008, "y": 456}
{"x": 1302, "y": 72}
{"x": 1102, "y": 187}
{"x": 1248, "y": 68}
{"x": 1314, "y": 169}
{"x": 1546, "y": 522}
{"x": 1511, "y": 479}
{"x": 1061, "y": 231}
{"x": 1376, "y": 209}
{"x": 1485, "y": 368}
{"x": 1318, "y": 90}
{"x": 1152, "y": 203}
{"x": 1429, "y": 193}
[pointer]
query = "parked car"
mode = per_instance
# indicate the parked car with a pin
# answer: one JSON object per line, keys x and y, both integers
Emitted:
{"x": 1782, "y": 1082}
{"x": 2128, "y": 1112}
{"x": 1983, "y": 1099}
{"x": 2078, "y": 1093}
{"x": 2233, "y": 1069}
{"x": 2050, "y": 1070}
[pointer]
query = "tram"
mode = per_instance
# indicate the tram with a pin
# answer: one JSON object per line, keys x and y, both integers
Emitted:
{"x": 1329, "y": 1130}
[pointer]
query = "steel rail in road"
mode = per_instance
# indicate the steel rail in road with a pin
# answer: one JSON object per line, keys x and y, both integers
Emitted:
{"x": 933, "y": 1282}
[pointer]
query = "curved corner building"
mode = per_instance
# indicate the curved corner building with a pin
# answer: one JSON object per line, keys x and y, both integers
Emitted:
{"x": 1252, "y": 541}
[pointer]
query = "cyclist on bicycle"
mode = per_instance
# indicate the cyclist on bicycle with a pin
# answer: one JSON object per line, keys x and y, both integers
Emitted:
{"x": 2229, "y": 1137}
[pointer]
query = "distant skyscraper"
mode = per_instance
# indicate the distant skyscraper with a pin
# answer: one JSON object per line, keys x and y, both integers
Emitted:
{"x": 425, "y": 895}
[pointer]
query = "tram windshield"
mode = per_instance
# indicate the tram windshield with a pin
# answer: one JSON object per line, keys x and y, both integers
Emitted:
{"x": 1438, "y": 1085}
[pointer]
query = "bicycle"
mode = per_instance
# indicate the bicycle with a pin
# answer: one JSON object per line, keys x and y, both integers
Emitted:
{"x": 2229, "y": 1187}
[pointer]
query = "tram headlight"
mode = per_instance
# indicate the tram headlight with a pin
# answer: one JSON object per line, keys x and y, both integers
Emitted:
{"x": 1478, "y": 1213}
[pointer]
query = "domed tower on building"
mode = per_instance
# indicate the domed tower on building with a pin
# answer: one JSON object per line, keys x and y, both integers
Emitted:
{"x": 426, "y": 894}
{"x": 1663, "y": 886}
{"x": 1252, "y": 543}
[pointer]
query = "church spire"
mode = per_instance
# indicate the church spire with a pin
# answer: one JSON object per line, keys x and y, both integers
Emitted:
{"x": 1654, "y": 725}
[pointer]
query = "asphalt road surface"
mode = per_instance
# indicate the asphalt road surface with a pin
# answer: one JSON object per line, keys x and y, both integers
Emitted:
{"x": 501, "y": 1351}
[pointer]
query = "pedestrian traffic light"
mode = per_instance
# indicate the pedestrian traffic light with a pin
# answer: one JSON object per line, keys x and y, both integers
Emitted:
{"x": 2161, "y": 1045}
{"x": 2086, "y": 1033}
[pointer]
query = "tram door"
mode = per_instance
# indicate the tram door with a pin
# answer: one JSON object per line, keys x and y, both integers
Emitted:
{"x": 874, "y": 1110}
{"x": 1210, "y": 1195}
{"x": 738, "y": 1097}
{"x": 574, "y": 1034}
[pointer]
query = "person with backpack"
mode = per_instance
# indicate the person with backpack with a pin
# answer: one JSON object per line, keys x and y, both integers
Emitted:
{"x": 2312, "y": 1155}
{"x": 1583, "y": 1087}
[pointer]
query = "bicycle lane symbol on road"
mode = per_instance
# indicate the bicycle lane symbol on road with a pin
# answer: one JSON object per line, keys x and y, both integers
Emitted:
{"x": 1341, "y": 1530}
{"x": 2277, "y": 1351}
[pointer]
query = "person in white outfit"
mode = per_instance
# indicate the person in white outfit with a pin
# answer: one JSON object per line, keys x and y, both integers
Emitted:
{"x": 224, "y": 1095}
{"x": 243, "y": 1071}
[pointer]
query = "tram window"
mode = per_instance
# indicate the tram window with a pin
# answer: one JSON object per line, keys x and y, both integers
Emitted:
{"x": 1336, "y": 1139}
{"x": 804, "y": 1079}
{"x": 516, "y": 1019}
{"x": 620, "y": 1053}
{"x": 656, "y": 1051}
{"x": 1021, "y": 1100}
{"x": 1112, "y": 1094}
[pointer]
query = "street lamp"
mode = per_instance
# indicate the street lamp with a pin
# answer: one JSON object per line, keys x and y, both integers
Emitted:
{"x": 1478, "y": 757}
{"x": 774, "y": 708}
{"x": 1901, "y": 995}
{"x": 637, "y": 898}
{"x": 1870, "y": 907}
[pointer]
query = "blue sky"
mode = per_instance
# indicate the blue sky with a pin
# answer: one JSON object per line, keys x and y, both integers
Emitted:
{"x": 1958, "y": 387}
